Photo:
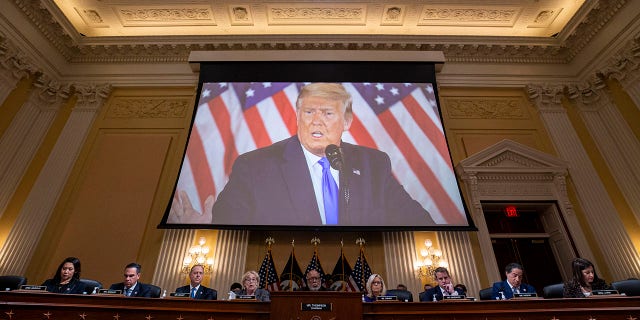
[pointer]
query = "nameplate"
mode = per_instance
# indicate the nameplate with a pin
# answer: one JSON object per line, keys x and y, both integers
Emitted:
{"x": 387, "y": 298}
{"x": 525, "y": 295}
{"x": 180, "y": 294}
{"x": 246, "y": 297}
{"x": 458, "y": 297}
{"x": 604, "y": 292}
{"x": 33, "y": 288}
{"x": 316, "y": 307}
{"x": 109, "y": 291}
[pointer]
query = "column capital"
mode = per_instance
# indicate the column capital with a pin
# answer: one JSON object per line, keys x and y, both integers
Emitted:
{"x": 547, "y": 98}
{"x": 91, "y": 96}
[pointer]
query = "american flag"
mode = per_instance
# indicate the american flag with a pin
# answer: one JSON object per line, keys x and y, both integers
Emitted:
{"x": 361, "y": 271}
{"x": 401, "y": 119}
{"x": 343, "y": 273}
{"x": 268, "y": 275}
{"x": 315, "y": 264}
{"x": 291, "y": 276}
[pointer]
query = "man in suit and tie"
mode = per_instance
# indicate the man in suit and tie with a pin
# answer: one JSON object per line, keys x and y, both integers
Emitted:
{"x": 444, "y": 288}
{"x": 195, "y": 289}
{"x": 513, "y": 284}
{"x": 131, "y": 287}
{"x": 291, "y": 182}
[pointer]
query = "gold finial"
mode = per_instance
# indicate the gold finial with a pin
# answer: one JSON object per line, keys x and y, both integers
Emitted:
{"x": 315, "y": 241}
{"x": 269, "y": 241}
{"x": 360, "y": 241}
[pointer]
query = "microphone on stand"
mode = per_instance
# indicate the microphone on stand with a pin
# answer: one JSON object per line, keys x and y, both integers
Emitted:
{"x": 336, "y": 159}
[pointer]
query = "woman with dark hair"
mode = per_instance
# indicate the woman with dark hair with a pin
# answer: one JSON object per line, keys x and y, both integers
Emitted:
{"x": 585, "y": 280}
{"x": 66, "y": 279}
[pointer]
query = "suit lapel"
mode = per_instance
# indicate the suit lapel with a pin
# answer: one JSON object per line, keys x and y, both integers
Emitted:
{"x": 298, "y": 180}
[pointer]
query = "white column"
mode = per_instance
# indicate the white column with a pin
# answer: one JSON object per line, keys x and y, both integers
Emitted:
{"x": 13, "y": 67}
{"x": 618, "y": 250}
{"x": 457, "y": 251}
{"x": 34, "y": 215}
{"x": 175, "y": 244}
{"x": 24, "y": 135}
{"x": 230, "y": 258}
{"x": 625, "y": 67}
{"x": 400, "y": 257}
{"x": 613, "y": 137}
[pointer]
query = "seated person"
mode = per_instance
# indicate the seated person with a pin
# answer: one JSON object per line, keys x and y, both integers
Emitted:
{"x": 314, "y": 281}
{"x": 513, "y": 284}
{"x": 462, "y": 288}
{"x": 444, "y": 288}
{"x": 422, "y": 296}
{"x": 130, "y": 287}
{"x": 195, "y": 289}
{"x": 250, "y": 281}
{"x": 584, "y": 281}
{"x": 375, "y": 287}
{"x": 235, "y": 287}
{"x": 401, "y": 287}
{"x": 66, "y": 278}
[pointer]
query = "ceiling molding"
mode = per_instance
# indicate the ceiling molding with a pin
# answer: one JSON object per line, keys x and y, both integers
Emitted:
{"x": 465, "y": 49}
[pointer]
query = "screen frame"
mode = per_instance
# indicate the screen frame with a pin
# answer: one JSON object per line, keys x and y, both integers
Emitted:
{"x": 230, "y": 67}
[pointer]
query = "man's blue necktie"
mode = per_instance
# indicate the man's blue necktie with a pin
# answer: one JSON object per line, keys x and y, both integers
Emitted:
{"x": 193, "y": 293}
{"x": 329, "y": 193}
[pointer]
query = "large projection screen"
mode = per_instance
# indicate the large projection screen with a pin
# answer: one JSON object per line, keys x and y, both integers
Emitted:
{"x": 398, "y": 172}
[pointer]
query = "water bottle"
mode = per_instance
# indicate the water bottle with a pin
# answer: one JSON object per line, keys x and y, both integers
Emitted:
{"x": 434, "y": 298}
{"x": 95, "y": 290}
{"x": 164, "y": 294}
{"x": 232, "y": 295}
{"x": 502, "y": 297}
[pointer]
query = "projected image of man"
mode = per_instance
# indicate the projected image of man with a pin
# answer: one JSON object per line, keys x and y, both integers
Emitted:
{"x": 291, "y": 181}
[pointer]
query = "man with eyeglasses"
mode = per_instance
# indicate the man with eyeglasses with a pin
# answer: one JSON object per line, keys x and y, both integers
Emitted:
{"x": 314, "y": 281}
{"x": 130, "y": 287}
{"x": 444, "y": 288}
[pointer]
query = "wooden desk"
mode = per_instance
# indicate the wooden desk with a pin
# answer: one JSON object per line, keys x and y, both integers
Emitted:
{"x": 614, "y": 308}
{"x": 32, "y": 306}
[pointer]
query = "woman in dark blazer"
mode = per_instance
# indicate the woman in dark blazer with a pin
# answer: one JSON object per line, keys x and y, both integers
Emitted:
{"x": 250, "y": 286}
{"x": 585, "y": 280}
{"x": 66, "y": 279}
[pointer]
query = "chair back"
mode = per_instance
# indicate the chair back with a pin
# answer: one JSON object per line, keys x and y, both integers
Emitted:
{"x": 553, "y": 291}
{"x": 91, "y": 285}
{"x": 403, "y": 295}
{"x": 629, "y": 287}
{"x": 155, "y": 291}
{"x": 486, "y": 294}
{"x": 12, "y": 282}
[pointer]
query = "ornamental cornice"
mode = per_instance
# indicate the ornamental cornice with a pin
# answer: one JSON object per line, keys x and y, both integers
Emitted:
{"x": 554, "y": 50}
{"x": 623, "y": 64}
{"x": 13, "y": 59}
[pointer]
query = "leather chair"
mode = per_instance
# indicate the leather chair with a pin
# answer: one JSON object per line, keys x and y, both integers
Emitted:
{"x": 486, "y": 294}
{"x": 12, "y": 282}
{"x": 630, "y": 287}
{"x": 91, "y": 285}
{"x": 553, "y": 291}
{"x": 403, "y": 295}
{"x": 155, "y": 291}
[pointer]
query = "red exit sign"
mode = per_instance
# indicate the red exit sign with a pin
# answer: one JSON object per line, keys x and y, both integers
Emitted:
{"x": 511, "y": 211}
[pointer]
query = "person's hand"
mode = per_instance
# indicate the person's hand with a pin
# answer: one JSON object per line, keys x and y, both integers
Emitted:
{"x": 182, "y": 211}
{"x": 448, "y": 287}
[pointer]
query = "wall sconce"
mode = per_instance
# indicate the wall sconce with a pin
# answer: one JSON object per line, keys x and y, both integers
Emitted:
{"x": 431, "y": 259}
{"x": 198, "y": 255}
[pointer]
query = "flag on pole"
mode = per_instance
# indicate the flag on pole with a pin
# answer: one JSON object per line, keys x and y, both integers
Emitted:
{"x": 291, "y": 276}
{"x": 268, "y": 275}
{"x": 401, "y": 119}
{"x": 342, "y": 275}
{"x": 361, "y": 270}
{"x": 315, "y": 264}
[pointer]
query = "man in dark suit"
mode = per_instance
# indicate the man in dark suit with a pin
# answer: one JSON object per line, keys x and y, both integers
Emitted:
{"x": 513, "y": 284}
{"x": 131, "y": 287}
{"x": 195, "y": 289}
{"x": 314, "y": 282}
{"x": 283, "y": 184}
{"x": 444, "y": 287}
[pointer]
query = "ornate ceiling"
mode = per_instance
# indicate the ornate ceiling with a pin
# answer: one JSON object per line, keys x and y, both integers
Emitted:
{"x": 532, "y": 31}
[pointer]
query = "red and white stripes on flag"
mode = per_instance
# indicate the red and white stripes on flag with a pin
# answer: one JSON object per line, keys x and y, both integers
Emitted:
{"x": 401, "y": 119}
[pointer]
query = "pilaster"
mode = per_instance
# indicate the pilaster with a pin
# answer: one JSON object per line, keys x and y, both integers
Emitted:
{"x": 229, "y": 258}
{"x": 462, "y": 265}
{"x": 400, "y": 257}
{"x": 616, "y": 247}
{"x": 175, "y": 243}
{"x": 613, "y": 137}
